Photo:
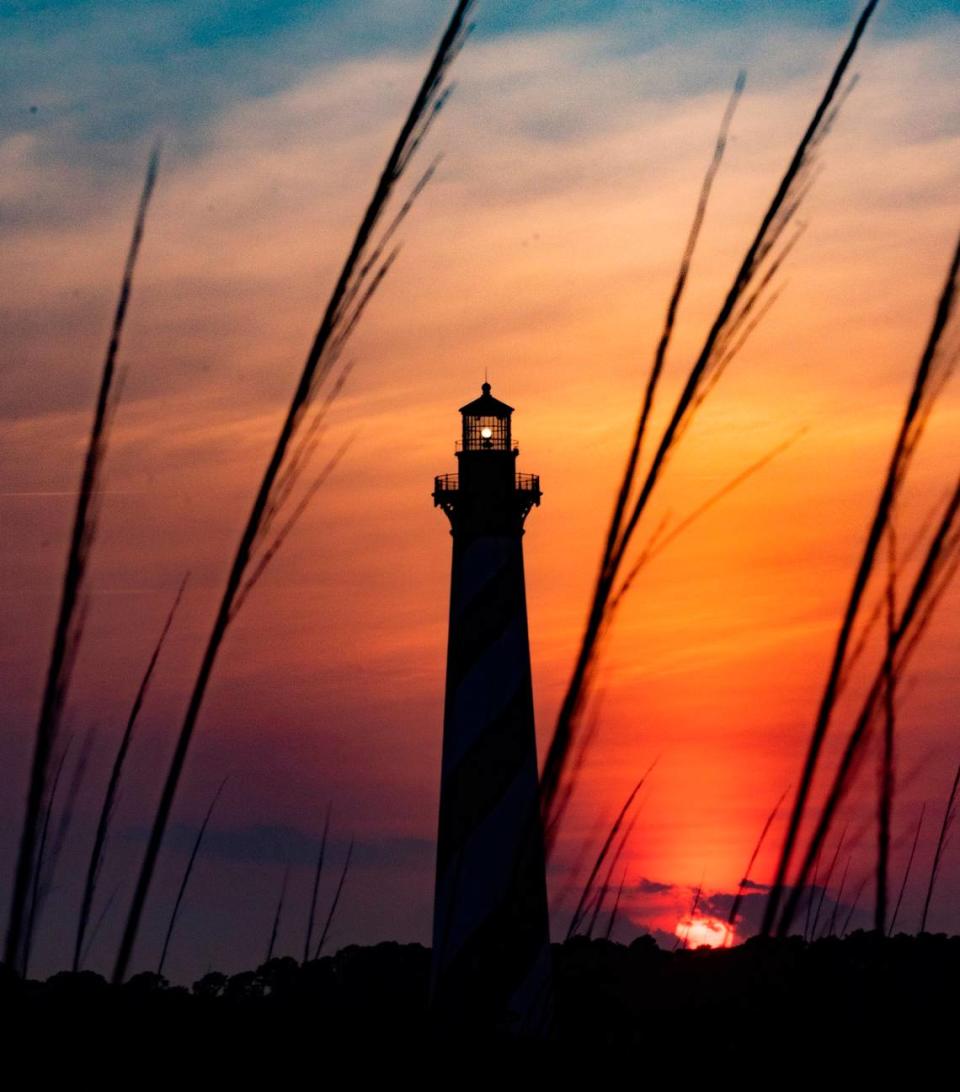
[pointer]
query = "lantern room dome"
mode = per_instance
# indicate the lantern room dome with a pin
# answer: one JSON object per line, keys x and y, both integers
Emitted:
{"x": 486, "y": 405}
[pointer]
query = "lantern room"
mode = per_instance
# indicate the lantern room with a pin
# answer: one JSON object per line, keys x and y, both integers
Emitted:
{"x": 486, "y": 495}
{"x": 486, "y": 423}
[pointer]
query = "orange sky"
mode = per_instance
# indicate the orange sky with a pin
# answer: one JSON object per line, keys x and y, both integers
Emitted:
{"x": 543, "y": 253}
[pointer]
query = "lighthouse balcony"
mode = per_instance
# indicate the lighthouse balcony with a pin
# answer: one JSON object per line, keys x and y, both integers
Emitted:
{"x": 446, "y": 490}
{"x": 491, "y": 443}
{"x": 527, "y": 483}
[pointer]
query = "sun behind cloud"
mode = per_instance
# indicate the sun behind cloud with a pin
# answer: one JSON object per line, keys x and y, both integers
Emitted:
{"x": 698, "y": 931}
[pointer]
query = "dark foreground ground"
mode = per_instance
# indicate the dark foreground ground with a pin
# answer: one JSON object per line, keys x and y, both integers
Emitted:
{"x": 794, "y": 1003}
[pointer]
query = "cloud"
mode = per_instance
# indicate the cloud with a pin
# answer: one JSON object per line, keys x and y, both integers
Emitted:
{"x": 751, "y": 885}
{"x": 651, "y": 887}
{"x": 652, "y": 905}
{"x": 562, "y": 139}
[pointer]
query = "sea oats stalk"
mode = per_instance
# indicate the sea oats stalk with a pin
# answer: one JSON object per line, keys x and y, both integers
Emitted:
{"x": 278, "y": 915}
{"x": 318, "y": 871}
{"x": 33, "y": 911}
{"x": 601, "y": 897}
{"x": 105, "y": 818}
{"x": 838, "y": 901}
{"x": 317, "y": 368}
{"x": 887, "y": 757}
{"x": 923, "y": 597}
{"x": 187, "y": 872}
{"x": 612, "y": 833}
{"x": 825, "y": 886}
{"x": 70, "y": 613}
{"x": 713, "y": 354}
{"x": 930, "y": 367}
{"x": 907, "y": 870}
{"x": 335, "y": 902}
{"x": 949, "y": 814}
{"x": 738, "y": 899}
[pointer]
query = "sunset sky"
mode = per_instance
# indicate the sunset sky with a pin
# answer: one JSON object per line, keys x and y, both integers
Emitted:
{"x": 542, "y": 254}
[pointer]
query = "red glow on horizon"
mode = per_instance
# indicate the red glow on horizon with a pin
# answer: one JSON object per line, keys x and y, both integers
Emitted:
{"x": 698, "y": 931}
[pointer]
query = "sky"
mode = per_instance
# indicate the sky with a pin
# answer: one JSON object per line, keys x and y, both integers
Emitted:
{"x": 542, "y": 254}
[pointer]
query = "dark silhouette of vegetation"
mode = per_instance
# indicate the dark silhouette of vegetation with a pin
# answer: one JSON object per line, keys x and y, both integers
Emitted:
{"x": 765, "y": 994}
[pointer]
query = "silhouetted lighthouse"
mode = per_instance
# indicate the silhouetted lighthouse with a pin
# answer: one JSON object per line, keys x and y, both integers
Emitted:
{"x": 491, "y": 948}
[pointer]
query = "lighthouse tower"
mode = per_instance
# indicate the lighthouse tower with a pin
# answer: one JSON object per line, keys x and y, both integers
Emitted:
{"x": 491, "y": 951}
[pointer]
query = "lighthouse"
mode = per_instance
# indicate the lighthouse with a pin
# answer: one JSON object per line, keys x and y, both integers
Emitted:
{"x": 491, "y": 951}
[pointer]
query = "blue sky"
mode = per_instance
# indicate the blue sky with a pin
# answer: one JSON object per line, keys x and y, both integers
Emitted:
{"x": 116, "y": 68}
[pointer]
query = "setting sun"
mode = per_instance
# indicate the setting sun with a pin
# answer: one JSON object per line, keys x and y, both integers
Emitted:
{"x": 699, "y": 932}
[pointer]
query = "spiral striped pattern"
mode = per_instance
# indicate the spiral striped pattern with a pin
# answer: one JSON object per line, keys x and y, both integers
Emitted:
{"x": 490, "y": 942}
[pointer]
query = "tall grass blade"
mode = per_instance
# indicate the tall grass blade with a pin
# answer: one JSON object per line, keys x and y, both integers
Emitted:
{"x": 921, "y": 536}
{"x": 50, "y": 848}
{"x": 95, "y": 863}
{"x": 315, "y": 370}
{"x": 948, "y": 816}
{"x": 735, "y": 905}
{"x": 316, "y": 887}
{"x": 825, "y": 886}
{"x": 887, "y": 757}
{"x": 271, "y": 551}
{"x": 905, "y": 445}
{"x": 853, "y": 907}
{"x": 778, "y": 215}
{"x": 35, "y": 892}
{"x": 917, "y": 612}
{"x": 556, "y": 759}
{"x": 278, "y": 915}
{"x": 693, "y": 910}
{"x": 812, "y": 894}
{"x": 907, "y": 870}
{"x": 838, "y": 901}
{"x": 614, "y": 830}
{"x": 93, "y": 933}
{"x": 66, "y": 633}
{"x": 616, "y": 908}
{"x": 660, "y": 541}
{"x": 191, "y": 861}
{"x": 601, "y": 898}
{"x": 335, "y": 902}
